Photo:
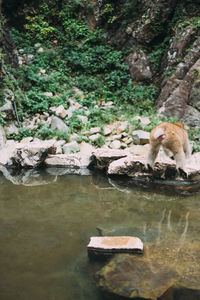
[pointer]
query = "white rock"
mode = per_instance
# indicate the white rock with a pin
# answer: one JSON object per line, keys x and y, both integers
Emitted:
{"x": 115, "y": 243}
{"x": 141, "y": 137}
{"x": 70, "y": 111}
{"x": 83, "y": 119}
{"x": 48, "y": 94}
{"x": 27, "y": 140}
{"x": 140, "y": 150}
{"x": 25, "y": 154}
{"x": 122, "y": 127}
{"x": 144, "y": 120}
{"x": 115, "y": 144}
{"x": 42, "y": 71}
{"x": 40, "y": 50}
{"x": 107, "y": 130}
{"x": 61, "y": 111}
{"x": 37, "y": 45}
{"x": 94, "y": 137}
{"x": 95, "y": 130}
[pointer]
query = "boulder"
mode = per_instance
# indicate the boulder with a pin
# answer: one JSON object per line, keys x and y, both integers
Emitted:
{"x": 72, "y": 147}
{"x": 180, "y": 91}
{"x": 159, "y": 271}
{"x": 26, "y": 154}
{"x": 139, "y": 66}
{"x": 103, "y": 157}
{"x": 58, "y": 124}
{"x": 135, "y": 277}
{"x": 11, "y": 128}
{"x": 61, "y": 111}
{"x": 165, "y": 168}
{"x": 81, "y": 159}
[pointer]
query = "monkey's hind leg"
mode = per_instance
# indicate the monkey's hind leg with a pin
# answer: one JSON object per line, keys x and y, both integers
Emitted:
{"x": 180, "y": 164}
{"x": 187, "y": 149}
{"x": 153, "y": 152}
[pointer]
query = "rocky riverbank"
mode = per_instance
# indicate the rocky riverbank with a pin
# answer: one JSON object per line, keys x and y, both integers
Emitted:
{"x": 30, "y": 153}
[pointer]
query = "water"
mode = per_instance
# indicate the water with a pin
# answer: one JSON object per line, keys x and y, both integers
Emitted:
{"x": 45, "y": 229}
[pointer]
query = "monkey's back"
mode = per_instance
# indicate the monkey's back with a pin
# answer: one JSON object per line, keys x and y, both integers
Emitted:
{"x": 174, "y": 132}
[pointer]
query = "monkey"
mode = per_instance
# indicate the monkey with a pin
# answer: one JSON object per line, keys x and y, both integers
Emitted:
{"x": 174, "y": 139}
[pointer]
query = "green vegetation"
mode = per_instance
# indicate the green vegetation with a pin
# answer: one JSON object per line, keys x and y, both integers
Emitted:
{"x": 61, "y": 53}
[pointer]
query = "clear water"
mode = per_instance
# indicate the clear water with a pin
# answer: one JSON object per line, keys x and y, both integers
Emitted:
{"x": 46, "y": 222}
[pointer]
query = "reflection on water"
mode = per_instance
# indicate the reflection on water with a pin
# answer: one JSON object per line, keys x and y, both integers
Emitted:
{"x": 46, "y": 219}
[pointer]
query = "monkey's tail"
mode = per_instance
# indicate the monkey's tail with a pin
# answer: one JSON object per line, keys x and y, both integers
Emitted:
{"x": 158, "y": 133}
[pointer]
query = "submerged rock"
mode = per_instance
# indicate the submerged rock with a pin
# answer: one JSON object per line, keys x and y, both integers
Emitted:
{"x": 134, "y": 277}
{"x": 159, "y": 270}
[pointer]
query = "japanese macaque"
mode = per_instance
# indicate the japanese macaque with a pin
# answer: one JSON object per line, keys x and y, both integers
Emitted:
{"x": 174, "y": 140}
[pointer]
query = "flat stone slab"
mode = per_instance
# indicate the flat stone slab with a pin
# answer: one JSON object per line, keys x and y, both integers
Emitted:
{"x": 135, "y": 166}
{"x": 114, "y": 244}
{"x": 105, "y": 156}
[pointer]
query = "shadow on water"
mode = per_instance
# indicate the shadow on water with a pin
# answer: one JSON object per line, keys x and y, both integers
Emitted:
{"x": 48, "y": 216}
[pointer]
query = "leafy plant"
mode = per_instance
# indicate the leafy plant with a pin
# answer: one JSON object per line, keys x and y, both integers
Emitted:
{"x": 22, "y": 133}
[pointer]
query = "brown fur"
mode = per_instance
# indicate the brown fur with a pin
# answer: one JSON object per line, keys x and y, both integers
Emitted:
{"x": 174, "y": 139}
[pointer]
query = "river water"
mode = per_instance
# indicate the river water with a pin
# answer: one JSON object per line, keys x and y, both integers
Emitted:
{"x": 46, "y": 221}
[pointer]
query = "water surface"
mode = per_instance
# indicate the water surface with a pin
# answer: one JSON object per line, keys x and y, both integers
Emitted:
{"x": 46, "y": 222}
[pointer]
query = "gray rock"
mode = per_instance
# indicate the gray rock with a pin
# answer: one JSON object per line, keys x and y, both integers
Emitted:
{"x": 72, "y": 147}
{"x": 139, "y": 65}
{"x": 58, "y": 124}
{"x": 11, "y": 128}
{"x": 175, "y": 94}
{"x": 141, "y": 137}
{"x": 7, "y": 107}
{"x": 2, "y": 137}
